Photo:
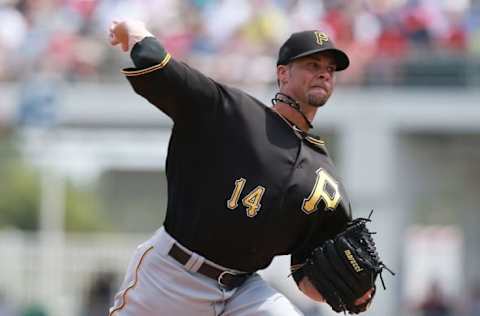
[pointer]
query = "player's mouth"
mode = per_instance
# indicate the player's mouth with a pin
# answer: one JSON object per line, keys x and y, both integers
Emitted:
{"x": 318, "y": 88}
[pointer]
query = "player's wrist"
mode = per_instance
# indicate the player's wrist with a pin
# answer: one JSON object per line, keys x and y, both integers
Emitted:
{"x": 136, "y": 38}
{"x": 128, "y": 33}
{"x": 309, "y": 290}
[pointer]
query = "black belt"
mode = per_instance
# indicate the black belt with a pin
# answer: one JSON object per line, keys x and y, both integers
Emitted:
{"x": 225, "y": 278}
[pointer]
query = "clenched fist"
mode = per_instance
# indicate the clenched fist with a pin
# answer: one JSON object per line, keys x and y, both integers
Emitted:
{"x": 127, "y": 33}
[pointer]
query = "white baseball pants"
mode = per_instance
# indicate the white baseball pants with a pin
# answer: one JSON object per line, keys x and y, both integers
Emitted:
{"x": 157, "y": 285}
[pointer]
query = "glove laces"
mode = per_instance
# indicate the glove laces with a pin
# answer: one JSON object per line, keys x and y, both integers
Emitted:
{"x": 371, "y": 247}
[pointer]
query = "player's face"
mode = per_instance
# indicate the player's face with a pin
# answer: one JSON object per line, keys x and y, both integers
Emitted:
{"x": 311, "y": 79}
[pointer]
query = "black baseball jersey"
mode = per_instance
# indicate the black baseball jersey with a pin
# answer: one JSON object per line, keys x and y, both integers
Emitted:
{"x": 243, "y": 184}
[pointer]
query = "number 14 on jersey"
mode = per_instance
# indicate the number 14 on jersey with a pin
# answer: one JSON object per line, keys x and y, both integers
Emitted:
{"x": 252, "y": 200}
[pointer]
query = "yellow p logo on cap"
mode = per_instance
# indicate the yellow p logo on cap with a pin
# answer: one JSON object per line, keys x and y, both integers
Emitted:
{"x": 321, "y": 37}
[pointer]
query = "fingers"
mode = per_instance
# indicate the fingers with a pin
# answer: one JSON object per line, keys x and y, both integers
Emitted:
{"x": 127, "y": 33}
{"x": 365, "y": 298}
{"x": 111, "y": 33}
{"x": 118, "y": 35}
{"x": 125, "y": 46}
{"x": 113, "y": 40}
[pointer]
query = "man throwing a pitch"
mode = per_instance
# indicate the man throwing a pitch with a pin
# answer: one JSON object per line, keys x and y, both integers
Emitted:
{"x": 246, "y": 182}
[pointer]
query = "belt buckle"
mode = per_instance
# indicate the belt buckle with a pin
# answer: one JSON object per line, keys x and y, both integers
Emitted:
{"x": 222, "y": 275}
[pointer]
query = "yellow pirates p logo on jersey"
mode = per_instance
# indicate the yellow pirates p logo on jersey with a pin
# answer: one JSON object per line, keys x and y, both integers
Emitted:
{"x": 321, "y": 37}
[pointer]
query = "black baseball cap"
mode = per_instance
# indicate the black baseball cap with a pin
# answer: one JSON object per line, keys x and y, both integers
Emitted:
{"x": 306, "y": 43}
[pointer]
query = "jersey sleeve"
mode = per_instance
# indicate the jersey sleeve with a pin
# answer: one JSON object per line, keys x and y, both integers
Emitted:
{"x": 178, "y": 90}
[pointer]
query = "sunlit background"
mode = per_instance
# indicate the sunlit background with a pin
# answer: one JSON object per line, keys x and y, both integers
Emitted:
{"x": 82, "y": 157}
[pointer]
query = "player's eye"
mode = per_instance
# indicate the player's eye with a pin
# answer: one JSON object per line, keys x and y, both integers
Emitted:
{"x": 312, "y": 65}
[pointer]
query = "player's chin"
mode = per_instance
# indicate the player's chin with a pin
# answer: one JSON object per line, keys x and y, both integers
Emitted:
{"x": 317, "y": 100}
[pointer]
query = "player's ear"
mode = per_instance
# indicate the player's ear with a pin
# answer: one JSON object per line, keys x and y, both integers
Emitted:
{"x": 282, "y": 74}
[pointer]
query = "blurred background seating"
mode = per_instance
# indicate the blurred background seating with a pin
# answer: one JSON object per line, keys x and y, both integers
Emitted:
{"x": 394, "y": 40}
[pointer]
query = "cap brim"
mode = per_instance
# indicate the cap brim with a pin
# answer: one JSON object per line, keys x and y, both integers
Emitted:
{"x": 341, "y": 59}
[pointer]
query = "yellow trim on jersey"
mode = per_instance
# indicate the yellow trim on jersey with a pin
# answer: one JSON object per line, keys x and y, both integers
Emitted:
{"x": 131, "y": 286}
{"x": 310, "y": 139}
{"x": 314, "y": 140}
{"x": 163, "y": 63}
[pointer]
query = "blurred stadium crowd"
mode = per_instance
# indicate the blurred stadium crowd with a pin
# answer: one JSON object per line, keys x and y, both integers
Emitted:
{"x": 233, "y": 41}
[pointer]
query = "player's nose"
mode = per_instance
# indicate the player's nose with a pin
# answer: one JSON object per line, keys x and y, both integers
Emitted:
{"x": 325, "y": 75}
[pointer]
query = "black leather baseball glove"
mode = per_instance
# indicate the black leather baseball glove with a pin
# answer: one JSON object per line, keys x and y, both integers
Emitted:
{"x": 343, "y": 269}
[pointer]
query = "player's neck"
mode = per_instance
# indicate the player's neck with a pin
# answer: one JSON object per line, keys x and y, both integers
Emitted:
{"x": 294, "y": 116}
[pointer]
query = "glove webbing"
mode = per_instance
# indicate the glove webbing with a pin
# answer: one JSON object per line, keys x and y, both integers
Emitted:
{"x": 371, "y": 247}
